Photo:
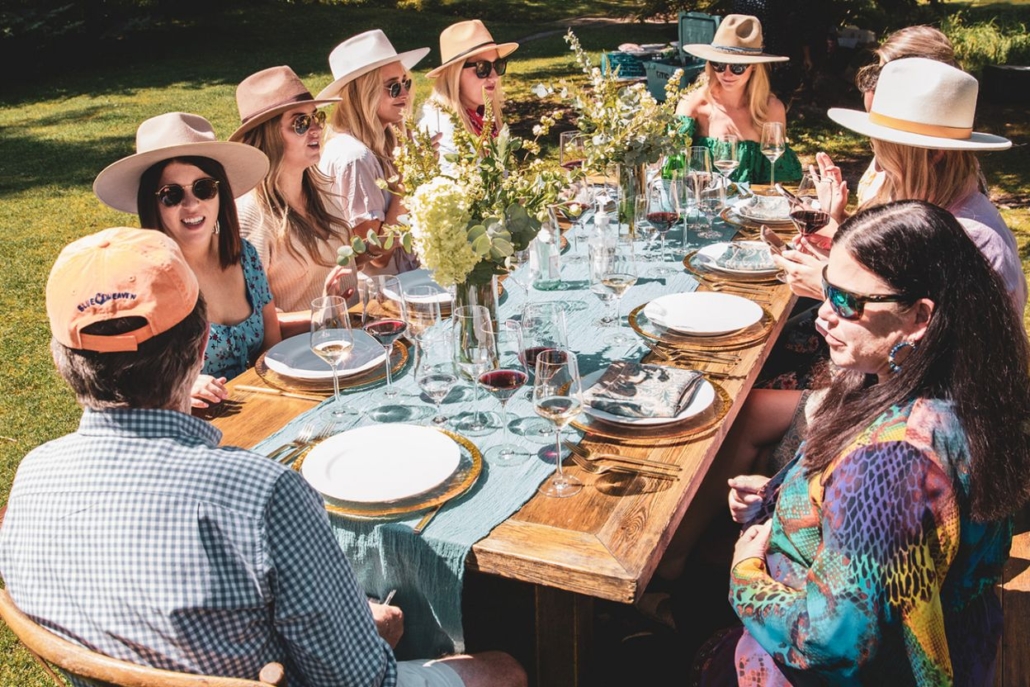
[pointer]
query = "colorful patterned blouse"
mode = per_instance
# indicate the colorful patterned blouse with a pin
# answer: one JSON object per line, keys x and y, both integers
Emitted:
{"x": 754, "y": 167}
{"x": 232, "y": 348}
{"x": 875, "y": 574}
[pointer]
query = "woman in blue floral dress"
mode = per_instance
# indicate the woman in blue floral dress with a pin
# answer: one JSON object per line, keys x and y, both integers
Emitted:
{"x": 183, "y": 181}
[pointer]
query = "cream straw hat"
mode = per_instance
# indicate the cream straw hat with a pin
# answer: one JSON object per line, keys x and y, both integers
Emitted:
{"x": 738, "y": 40}
{"x": 361, "y": 54}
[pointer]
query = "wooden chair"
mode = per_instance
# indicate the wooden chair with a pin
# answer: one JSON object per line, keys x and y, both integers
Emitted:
{"x": 50, "y": 649}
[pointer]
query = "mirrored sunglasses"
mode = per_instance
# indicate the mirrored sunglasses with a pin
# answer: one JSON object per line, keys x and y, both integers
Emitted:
{"x": 849, "y": 306}
{"x": 171, "y": 195}
{"x": 737, "y": 69}
{"x": 393, "y": 89}
{"x": 303, "y": 123}
{"x": 483, "y": 67}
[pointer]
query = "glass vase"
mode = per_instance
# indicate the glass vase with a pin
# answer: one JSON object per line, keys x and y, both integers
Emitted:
{"x": 468, "y": 293}
{"x": 632, "y": 183}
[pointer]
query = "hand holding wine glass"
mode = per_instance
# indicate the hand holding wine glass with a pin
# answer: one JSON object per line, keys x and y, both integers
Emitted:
{"x": 557, "y": 397}
{"x": 502, "y": 382}
{"x": 773, "y": 145}
{"x": 332, "y": 340}
{"x": 806, "y": 212}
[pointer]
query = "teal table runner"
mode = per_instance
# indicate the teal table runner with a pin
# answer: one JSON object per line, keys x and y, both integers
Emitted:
{"x": 427, "y": 570}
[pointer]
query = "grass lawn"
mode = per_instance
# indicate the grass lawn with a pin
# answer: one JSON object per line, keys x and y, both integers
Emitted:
{"x": 61, "y": 130}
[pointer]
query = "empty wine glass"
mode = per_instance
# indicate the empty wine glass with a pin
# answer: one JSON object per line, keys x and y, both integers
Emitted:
{"x": 502, "y": 382}
{"x": 475, "y": 352}
{"x": 384, "y": 325}
{"x": 773, "y": 145}
{"x": 699, "y": 177}
{"x": 646, "y": 231}
{"x": 332, "y": 340}
{"x": 518, "y": 272}
{"x": 435, "y": 373}
{"x": 557, "y": 396}
{"x": 421, "y": 309}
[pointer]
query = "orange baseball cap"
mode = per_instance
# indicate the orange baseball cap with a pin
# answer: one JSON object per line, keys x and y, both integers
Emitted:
{"x": 114, "y": 273}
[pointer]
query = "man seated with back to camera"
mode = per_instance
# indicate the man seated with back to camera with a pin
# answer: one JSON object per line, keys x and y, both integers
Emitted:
{"x": 139, "y": 537}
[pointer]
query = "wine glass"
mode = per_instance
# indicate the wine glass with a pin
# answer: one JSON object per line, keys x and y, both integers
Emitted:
{"x": 502, "y": 382}
{"x": 558, "y": 397}
{"x": 663, "y": 209}
{"x": 645, "y": 229}
{"x": 724, "y": 155}
{"x": 515, "y": 262}
{"x": 435, "y": 373}
{"x": 773, "y": 145}
{"x": 699, "y": 178}
{"x": 385, "y": 327}
{"x": 543, "y": 328}
{"x": 805, "y": 211}
{"x": 332, "y": 340}
{"x": 619, "y": 275}
{"x": 421, "y": 309}
{"x": 475, "y": 352}
{"x": 571, "y": 153}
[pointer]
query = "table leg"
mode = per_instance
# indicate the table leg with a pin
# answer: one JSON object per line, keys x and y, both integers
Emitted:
{"x": 564, "y": 633}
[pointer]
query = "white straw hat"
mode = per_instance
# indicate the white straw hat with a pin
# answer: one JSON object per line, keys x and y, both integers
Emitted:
{"x": 924, "y": 104}
{"x": 361, "y": 54}
{"x": 738, "y": 40}
{"x": 177, "y": 134}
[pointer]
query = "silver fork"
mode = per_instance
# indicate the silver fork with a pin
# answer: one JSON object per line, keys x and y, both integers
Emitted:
{"x": 599, "y": 469}
{"x": 304, "y": 435}
{"x": 325, "y": 432}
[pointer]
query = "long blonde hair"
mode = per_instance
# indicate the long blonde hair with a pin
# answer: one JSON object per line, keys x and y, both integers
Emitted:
{"x": 312, "y": 226}
{"x": 357, "y": 115}
{"x": 941, "y": 177}
{"x": 446, "y": 96}
{"x": 758, "y": 90}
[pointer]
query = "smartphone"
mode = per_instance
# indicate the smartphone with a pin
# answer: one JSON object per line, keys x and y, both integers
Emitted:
{"x": 775, "y": 243}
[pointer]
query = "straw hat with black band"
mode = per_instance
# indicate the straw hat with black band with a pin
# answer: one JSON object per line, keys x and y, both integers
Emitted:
{"x": 171, "y": 135}
{"x": 358, "y": 55}
{"x": 465, "y": 40}
{"x": 924, "y": 104}
{"x": 738, "y": 40}
{"x": 268, "y": 93}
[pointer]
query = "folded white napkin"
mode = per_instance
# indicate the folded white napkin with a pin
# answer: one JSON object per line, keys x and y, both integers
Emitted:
{"x": 641, "y": 390}
{"x": 741, "y": 257}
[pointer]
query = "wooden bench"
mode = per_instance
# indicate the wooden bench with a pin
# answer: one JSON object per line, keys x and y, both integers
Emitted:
{"x": 1014, "y": 653}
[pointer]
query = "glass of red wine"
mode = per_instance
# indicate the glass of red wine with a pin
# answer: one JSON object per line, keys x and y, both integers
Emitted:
{"x": 389, "y": 322}
{"x": 662, "y": 213}
{"x": 502, "y": 382}
{"x": 805, "y": 211}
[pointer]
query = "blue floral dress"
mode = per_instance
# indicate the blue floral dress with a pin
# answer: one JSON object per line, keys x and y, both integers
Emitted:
{"x": 232, "y": 348}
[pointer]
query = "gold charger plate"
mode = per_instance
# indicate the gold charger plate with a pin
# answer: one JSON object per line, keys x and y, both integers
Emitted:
{"x": 699, "y": 270}
{"x": 743, "y": 338}
{"x": 684, "y": 429}
{"x": 470, "y": 466}
{"x": 730, "y": 216}
{"x": 398, "y": 360}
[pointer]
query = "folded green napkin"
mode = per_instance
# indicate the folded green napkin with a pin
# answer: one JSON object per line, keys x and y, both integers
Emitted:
{"x": 640, "y": 390}
{"x": 740, "y": 257}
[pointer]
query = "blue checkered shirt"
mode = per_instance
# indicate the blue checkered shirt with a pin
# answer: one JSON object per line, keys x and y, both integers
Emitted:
{"x": 138, "y": 537}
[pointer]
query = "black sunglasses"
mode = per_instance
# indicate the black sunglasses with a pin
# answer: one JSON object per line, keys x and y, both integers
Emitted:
{"x": 303, "y": 123}
{"x": 171, "y": 195}
{"x": 393, "y": 89}
{"x": 483, "y": 67}
{"x": 737, "y": 69}
{"x": 849, "y": 306}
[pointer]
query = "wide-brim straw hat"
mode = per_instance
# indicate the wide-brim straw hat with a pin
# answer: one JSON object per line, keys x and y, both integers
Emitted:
{"x": 738, "y": 40}
{"x": 177, "y": 134}
{"x": 464, "y": 40}
{"x": 268, "y": 93}
{"x": 924, "y": 104}
{"x": 361, "y": 54}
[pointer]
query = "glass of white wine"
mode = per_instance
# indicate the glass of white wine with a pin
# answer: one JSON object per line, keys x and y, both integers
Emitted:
{"x": 558, "y": 397}
{"x": 774, "y": 144}
{"x": 619, "y": 275}
{"x": 332, "y": 340}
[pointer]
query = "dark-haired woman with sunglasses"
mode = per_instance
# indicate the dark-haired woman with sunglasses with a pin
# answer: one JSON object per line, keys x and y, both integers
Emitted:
{"x": 291, "y": 217}
{"x": 872, "y": 557}
{"x": 467, "y": 81}
{"x": 182, "y": 181}
{"x": 735, "y": 99}
{"x": 373, "y": 82}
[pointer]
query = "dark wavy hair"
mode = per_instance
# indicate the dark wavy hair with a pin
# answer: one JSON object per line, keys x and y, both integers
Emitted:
{"x": 230, "y": 245}
{"x": 974, "y": 352}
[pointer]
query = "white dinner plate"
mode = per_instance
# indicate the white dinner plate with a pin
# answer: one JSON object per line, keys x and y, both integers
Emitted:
{"x": 381, "y": 463}
{"x": 294, "y": 358}
{"x": 708, "y": 255}
{"x": 749, "y": 209}
{"x": 419, "y": 277}
{"x": 703, "y": 399}
{"x": 703, "y": 313}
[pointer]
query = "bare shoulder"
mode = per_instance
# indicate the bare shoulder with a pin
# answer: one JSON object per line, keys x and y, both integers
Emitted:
{"x": 693, "y": 104}
{"x": 775, "y": 109}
